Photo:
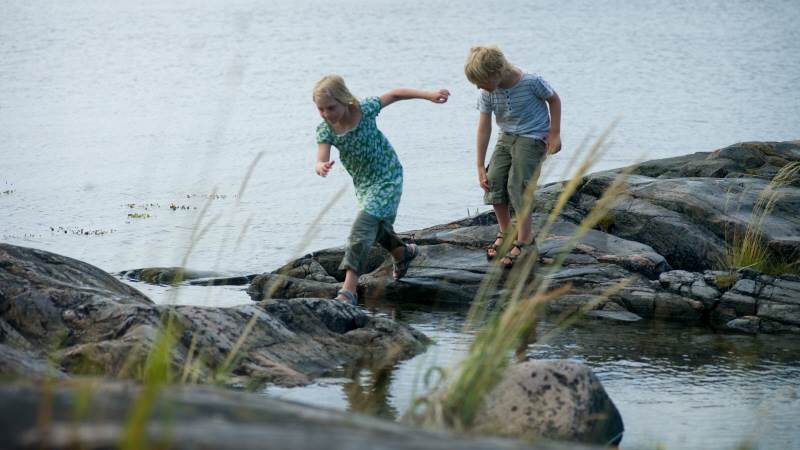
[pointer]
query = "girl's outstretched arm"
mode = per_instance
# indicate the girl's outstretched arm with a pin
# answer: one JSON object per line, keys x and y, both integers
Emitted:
{"x": 438, "y": 96}
{"x": 324, "y": 163}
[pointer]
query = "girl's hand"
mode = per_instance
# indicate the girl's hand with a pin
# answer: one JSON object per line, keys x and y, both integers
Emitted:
{"x": 439, "y": 96}
{"x": 323, "y": 167}
{"x": 483, "y": 180}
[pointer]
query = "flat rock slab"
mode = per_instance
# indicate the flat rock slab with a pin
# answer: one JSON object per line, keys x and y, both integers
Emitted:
{"x": 191, "y": 417}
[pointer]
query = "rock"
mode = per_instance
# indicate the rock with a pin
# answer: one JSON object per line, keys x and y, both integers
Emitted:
{"x": 87, "y": 321}
{"x": 167, "y": 275}
{"x": 781, "y": 301}
{"x": 17, "y": 363}
{"x": 556, "y": 399}
{"x": 268, "y": 286}
{"x": 193, "y": 417}
{"x": 675, "y": 307}
{"x": 685, "y": 208}
{"x": 224, "y": 281}
{"x": 692, "y": 285}
{"x": 620, "y": 316}
{"x": 741, "y": 305}
{"x": 745, "y": 324}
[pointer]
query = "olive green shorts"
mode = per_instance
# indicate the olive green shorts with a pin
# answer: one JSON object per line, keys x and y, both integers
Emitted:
{"x": 514, "y": 165}
{"x": 368, "y": 229}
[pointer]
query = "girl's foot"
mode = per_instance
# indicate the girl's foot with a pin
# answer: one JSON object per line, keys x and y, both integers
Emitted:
{"x": 401, "y": 267}
{"x": 491, "y": 251}
{"x": 348, "y": 296}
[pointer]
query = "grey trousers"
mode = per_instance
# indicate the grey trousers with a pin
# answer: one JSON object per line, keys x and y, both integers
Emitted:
{"x": 366, "y": 230}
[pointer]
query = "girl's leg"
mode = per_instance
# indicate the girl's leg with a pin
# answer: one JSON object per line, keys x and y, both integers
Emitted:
{"x": 362, "y": 235}
{"x": 402, "y": 253}
{"x": 350, "y": 283}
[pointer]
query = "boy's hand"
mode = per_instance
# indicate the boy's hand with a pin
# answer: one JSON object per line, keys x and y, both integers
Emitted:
{"x": 553, "y": 143}
{"x": 483, "y": 180}
{"x": 322, "y": 168}
{"x": 439, "y": 96}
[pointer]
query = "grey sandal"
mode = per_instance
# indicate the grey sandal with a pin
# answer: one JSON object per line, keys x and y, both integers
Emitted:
{"x": 351, "y": 296}
{"x": 399, "y": 269}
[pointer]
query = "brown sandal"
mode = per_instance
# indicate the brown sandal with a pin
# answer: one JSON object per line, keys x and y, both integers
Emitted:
{"x": 493, "y": 248}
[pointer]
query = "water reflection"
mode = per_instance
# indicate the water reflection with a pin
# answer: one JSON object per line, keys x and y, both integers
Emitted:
{"x": 367, "y": 389}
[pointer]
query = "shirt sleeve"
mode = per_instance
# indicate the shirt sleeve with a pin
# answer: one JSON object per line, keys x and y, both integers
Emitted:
{"x": 484, "y": 102}
{"x": 541, "y": 88}
{"x": 371, "y": 106}
{"x": 324, "y": 134}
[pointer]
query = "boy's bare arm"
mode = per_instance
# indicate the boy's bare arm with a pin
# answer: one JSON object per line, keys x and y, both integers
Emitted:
{"x": 554, "y": 135}
{"x": 324, "y": 163}
{"x": 482, "y": 143}
{"x": 438, "y": 96}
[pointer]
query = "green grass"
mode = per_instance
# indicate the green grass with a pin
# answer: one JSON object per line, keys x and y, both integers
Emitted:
{"x": 747, "y": 247}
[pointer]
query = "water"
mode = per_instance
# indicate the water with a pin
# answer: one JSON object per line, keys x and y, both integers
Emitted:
{"x": 105, "y": 104}
{"x": 112, "y": 111}
{"x": 675, "y": 386}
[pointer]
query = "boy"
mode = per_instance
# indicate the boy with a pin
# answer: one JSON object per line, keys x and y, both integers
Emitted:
{"x": 528, "y": 112}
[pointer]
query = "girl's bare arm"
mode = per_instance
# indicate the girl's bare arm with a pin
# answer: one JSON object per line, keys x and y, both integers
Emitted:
{"x": 438, "y": 96}
{"x": 324, "y": 163}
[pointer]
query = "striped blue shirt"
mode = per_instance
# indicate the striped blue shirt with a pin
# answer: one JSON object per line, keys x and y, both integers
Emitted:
{"x": 521, "y": 109}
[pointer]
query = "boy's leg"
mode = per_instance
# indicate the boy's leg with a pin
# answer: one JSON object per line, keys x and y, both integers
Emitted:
{"x": 362, "y": 235}
{"x": 527, "y": 155}
{"x": 497, "y": 174}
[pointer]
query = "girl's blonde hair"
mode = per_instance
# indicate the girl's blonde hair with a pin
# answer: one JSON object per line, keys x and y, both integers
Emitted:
{"x": 333, "y": 86}
{"x": 485, "y": 64}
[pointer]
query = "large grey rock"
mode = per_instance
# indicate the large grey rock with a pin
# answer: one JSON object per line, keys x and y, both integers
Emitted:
{"x": 87, "y": 321}
{"x": 685, "y": 208}
{"x": 556, "y": 399}
{"x": 197, "y": 417}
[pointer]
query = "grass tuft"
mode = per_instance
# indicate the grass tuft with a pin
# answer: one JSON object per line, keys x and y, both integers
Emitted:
{"x": 748, "y": 248}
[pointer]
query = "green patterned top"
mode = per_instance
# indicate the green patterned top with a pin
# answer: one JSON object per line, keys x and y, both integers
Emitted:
{"x": 369, "y": 158}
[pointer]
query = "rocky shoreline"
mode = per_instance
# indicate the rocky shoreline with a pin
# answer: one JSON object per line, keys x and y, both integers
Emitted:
{"x": 665, "y": 239}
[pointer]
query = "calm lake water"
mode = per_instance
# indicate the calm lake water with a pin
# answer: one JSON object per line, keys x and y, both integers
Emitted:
{"x": 111, "y": 112}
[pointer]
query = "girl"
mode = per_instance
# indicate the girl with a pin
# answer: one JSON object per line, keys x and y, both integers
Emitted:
{"x": 369, "y": 158}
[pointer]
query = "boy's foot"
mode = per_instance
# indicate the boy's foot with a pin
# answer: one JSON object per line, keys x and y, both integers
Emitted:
{"x": 514, "y": 253}
{"x": 491, "y": 251}
{"x": 400, "y": 268}
{"x": 348, "y": 296}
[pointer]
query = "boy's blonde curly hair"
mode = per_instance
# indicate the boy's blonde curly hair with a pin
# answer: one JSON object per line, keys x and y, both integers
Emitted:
{"x": 333, "y": 86}
{"x": 485, "y": 64}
